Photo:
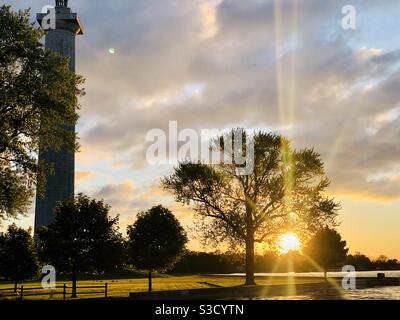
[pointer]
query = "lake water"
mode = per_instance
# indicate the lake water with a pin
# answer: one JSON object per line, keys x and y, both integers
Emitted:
{"x": 379, "y": 293}
{"x": 362, "y": 274}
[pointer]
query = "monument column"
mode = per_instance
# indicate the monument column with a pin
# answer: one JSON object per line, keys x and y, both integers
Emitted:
{"x": 61, "y": 26}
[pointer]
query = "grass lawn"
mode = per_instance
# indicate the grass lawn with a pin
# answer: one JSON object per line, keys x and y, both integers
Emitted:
{"x": 122, "y": 287}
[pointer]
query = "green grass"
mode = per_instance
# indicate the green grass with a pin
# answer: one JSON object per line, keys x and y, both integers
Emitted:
{"x": 120, "y": 288}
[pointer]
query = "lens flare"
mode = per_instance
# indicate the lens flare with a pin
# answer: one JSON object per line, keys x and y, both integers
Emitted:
{"x": 289, "y": 242}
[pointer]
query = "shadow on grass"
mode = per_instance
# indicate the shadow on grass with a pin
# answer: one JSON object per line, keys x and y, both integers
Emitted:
{"x": 116, "y": 275}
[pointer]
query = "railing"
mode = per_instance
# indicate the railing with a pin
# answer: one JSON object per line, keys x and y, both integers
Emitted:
{"x": 9, "y": 292}
{"x": 22, "y": 291}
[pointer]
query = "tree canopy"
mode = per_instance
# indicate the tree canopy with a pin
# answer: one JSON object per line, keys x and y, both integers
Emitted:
{"x": 38, "y": 99}
{"x": 327, "y": 249}
{"x": 284, "y": 192}
{"x": 18, "y": 258}
{"x": 156, "y": 240}
{"x": 82, "y": 238}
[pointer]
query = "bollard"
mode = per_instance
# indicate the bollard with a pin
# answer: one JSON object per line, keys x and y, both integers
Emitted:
{"x": 381, "y": 276}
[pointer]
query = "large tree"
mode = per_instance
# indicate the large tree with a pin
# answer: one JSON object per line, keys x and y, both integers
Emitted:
{"x": 83, "y": 238}
{"x": 327, "y": 249}
{"x": 38, "y": 99}
{"x": 18, "y": 259}
{"x": 283, "y": 192}
{"x": 156, "y": 241}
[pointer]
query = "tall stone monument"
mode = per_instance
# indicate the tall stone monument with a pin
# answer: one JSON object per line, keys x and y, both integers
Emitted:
{"x": 61, "y": 26}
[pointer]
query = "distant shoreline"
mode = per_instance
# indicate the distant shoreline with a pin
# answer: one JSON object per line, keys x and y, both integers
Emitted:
{"x": 331, "y": 274}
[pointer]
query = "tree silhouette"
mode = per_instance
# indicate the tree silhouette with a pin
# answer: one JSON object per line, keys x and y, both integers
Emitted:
{"x": 83, "y": 238}
{"x": 18, "y": 259}
{"x": 38, "y": 93}
{"x": 284, "y": 191}
{"x": 327, "y": 249}
{"x": 384, "y": 263}
{"x": 156, "y": 241}
{"x": 207, "y": 262}
{"x": 359, "y": 261}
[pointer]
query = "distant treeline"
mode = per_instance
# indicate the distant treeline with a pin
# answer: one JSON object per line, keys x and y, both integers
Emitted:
{"x": 202, "y": 262}
{"x": 223, "y": 263}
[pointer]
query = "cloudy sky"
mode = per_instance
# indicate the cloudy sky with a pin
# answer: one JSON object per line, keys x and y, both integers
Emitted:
{"x": 286, "y": 66}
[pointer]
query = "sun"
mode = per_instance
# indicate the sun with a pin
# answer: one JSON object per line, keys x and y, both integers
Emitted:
{"x": 288, "y": 242}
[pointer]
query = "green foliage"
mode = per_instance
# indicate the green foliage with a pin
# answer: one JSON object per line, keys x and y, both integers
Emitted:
{"x": 82, "y": 238}
{"x": 156, "y": 240}
{"x": 18, "y": 259}
{"x": 384, "y": 263}
{"x": 38, "y": 100}
{"x": 284, "y": 192}
{"x": 327, "y": 249}
{"x": 360, "y": 261}
{"x": 203, "y": 263}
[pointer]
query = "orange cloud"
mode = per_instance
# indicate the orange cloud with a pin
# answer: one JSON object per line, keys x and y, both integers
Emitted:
{"x": 368, "y": 196}
{"x": 83, "y": 175}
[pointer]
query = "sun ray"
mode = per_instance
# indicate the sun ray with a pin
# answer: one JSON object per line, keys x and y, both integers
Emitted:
{"x": 270, "y": 279}
{"x": 291, "y": 284}
{"x": 331, "y": 281}
{"x": 293, "y": 61}
{"x": 285, "y": 43}
{"x": 286, "y": 76}
{"x": 278, "y": 52}
{"x": 344, "y": 130}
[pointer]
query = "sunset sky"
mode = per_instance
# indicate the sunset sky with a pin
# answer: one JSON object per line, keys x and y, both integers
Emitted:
{"x": 282, "y": 66}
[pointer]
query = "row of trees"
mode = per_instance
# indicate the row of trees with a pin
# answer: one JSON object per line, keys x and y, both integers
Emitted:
{"x": 363, "y": 263}
{"x": 209, "y": 263}
{"x": 270, "y": 261}
{"x": 84, "y": 238}
{"x": 325, "y": 250}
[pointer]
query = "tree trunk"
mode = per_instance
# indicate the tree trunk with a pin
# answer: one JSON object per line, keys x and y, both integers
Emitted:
{"x": 326, "y": 275}
{"x": 250, "y": 249}
{"x": 74, "y": 277}
{"x": 150, "y": 282}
